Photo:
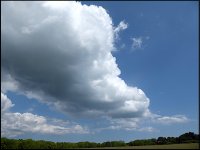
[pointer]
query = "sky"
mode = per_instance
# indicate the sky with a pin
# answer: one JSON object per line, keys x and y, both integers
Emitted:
{"x": 99, "y": 71}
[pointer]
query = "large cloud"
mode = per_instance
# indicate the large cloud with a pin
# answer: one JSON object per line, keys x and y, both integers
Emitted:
{"x": 61, "y": 52}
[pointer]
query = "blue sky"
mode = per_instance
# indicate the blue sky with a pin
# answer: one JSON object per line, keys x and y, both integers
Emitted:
{"x": 156, "y": 51}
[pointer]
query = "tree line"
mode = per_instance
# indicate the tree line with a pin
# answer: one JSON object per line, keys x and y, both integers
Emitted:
{"x": 6, "y": 143}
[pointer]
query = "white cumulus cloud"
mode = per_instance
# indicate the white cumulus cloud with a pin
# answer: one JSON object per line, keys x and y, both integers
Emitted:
{"x": 63, "y": 55}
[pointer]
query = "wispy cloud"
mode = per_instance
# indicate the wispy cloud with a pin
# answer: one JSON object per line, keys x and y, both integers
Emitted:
{"x": 147, "y": 129}
{"x": 168, "y": 120}
{"x": 122, "y": 26}
{"x": 137, "y": 43}
{"x": 128, "y": 124}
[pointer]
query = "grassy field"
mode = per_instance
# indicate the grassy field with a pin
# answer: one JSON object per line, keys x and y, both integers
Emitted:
{"x": 171, "y": 146}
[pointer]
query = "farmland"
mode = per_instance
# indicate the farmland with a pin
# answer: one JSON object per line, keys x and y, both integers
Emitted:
{"x": 169, "y": 146}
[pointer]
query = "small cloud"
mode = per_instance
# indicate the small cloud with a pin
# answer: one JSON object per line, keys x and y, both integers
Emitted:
{"x": 167, "y": 120}
{"x": 137, "y": 43}
{"x": 147, "y": 129}
{"x": 128, "y": 124}
{"x": 122, "y": 26}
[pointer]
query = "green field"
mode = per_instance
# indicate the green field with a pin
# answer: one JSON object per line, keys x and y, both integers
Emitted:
{"x": 170, "y": 146}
